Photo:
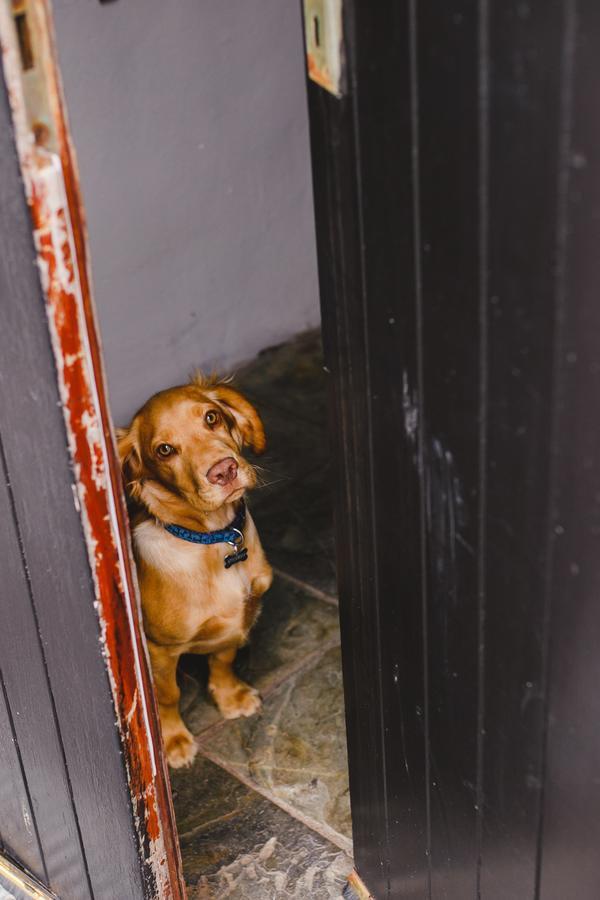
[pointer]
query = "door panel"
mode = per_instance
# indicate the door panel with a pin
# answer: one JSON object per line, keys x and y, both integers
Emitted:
{"x": 571, "y": 829}
{"x": 456, "y": 194}
{"x": 20, "y": 838}
{"x": 523, "y": 133}
{"x": 445, "y": 70}
{"x": 41, "y": 829}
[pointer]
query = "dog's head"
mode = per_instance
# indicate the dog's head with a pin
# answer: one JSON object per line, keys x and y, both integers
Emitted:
{"x": 183, "y": 449}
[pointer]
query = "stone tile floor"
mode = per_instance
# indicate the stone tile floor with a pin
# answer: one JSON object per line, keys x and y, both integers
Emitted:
{"x": 264, "y": 811}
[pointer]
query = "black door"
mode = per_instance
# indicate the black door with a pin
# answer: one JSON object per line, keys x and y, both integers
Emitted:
{"x": 457, "y": 191}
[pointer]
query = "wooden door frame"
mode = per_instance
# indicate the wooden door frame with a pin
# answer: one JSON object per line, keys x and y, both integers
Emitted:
{"x": 53, "y": 194}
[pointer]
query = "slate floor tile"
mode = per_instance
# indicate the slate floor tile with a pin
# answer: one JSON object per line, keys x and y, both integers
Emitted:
{"x": 296, "y": 746}
{"x": 237, "y": 844}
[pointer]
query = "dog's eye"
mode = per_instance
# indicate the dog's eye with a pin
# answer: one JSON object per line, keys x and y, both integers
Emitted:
{"x": 212, "y": 417}
{"x": 165, "y": 450}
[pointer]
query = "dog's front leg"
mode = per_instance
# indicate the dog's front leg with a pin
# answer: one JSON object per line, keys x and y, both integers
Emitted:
{"x": 180, "y": 745}
{"x": 233, "y": 696}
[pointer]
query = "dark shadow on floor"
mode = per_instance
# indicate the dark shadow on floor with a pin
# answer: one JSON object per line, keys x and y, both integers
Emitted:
{"x": 264, "y": 811}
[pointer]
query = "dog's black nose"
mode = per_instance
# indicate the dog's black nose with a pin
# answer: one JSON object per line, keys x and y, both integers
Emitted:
{"x": 223, "y": 472}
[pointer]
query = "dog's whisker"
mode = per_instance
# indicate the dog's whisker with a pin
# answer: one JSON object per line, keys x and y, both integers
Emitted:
{"x": 262, "y": 468}
{"x": 279, "y": 477}
{"x": 269, "y": 483}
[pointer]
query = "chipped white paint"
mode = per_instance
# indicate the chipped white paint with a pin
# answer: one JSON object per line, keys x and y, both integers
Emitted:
{"x": 76, "y": 498}
{"x": 133, "y": 707}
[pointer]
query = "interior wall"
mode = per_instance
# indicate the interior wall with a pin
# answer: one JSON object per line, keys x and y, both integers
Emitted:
{"x": 190, "y": 125}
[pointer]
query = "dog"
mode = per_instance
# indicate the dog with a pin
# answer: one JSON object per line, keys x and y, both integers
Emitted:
{"x": 201, "y": 568}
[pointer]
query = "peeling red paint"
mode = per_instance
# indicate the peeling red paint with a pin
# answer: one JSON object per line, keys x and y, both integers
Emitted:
{"x": 53, "y": 192}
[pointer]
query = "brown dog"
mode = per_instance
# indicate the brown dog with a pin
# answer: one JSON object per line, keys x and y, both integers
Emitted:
{"x": 183, "y": 469}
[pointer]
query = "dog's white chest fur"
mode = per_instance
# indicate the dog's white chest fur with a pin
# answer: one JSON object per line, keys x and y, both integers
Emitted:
{"x": 200, "y": 591}
{"x": 163, "y": 551}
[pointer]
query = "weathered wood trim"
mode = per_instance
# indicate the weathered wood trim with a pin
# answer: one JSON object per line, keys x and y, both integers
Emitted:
{"x": 53, "y": 193}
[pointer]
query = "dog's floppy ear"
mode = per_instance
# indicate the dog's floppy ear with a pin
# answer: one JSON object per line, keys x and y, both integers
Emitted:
{"x": 129, "y": 455}
{"x": 246, "y": 418}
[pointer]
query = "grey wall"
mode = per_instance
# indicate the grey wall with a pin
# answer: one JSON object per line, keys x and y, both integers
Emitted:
{"x": 190, "y": 125}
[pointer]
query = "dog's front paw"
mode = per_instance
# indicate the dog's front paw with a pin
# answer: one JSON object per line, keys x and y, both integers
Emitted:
{"x": 180, "y": 748}
{"x": 236, "y": 701}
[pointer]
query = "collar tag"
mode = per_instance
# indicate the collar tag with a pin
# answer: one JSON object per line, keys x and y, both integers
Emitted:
{"x": 239, "y": 556}
{"x": 240, "y": 553}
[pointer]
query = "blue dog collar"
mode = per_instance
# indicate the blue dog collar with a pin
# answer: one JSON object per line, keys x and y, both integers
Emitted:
{"x": 233, "y": 535}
